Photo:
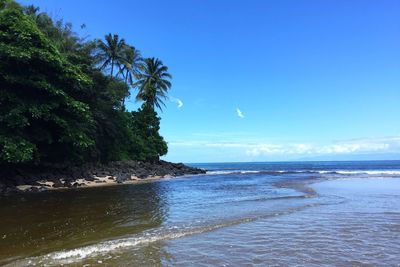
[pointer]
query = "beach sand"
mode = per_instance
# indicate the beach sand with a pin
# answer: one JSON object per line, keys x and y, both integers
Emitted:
{"x": 98, "y": 182}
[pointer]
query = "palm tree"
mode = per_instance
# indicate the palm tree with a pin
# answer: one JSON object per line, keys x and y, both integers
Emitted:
{"x": 153, "y": 83}
{"x": 111, "y": 51}
{"x": 131, "y": 65}
{"x": 31, "y": 10}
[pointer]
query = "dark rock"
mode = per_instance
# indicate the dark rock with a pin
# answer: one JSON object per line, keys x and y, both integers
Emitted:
{"x": 58, "y": 183}
{"x": 19, "y": 180}
{"x": 122, "y": 171}
{"x": 122, "y": 177}
{"x": 90, "y": 178}
{"x": 33, "y": 189}
{"x": 180, "y": 166}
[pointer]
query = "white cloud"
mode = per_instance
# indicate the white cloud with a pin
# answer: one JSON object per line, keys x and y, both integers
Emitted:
{"x": 208, "y": 144}
{"x": 180, "y": 103}
{"x": 255, "y": 149}
{"x": 239, "y": 113}
{"x": 177, "y": 101}
{"x": 359, "y": 146}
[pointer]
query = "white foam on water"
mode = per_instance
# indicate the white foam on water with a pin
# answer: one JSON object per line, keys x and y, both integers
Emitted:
{"x": 370, "y": 172}
{"x": 345, "y": 172}
{"x": 219, "y": 172}
{"x": 348, "y": 172}
{"x": 109, "y": 246}
{"x": 231, "y": 172}
{"x": 78, "y": 254}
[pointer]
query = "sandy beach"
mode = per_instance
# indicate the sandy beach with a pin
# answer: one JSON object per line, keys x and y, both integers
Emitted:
{"x": 98, "y": 182}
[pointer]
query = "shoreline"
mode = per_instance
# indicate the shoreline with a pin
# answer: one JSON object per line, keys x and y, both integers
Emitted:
{"x": 89, "y": 176}
{"x": 99, "y": 182}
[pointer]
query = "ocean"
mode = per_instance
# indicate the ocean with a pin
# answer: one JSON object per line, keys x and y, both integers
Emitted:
{"x": 238, "y": 214}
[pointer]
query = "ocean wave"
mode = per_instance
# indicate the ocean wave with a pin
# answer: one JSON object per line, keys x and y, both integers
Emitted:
{"x": 370, "y": 172}
{"x": 271, "y": 172}
{"x": 231, "y": 172}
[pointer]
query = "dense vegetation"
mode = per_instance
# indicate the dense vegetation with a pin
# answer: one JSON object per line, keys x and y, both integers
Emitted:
{"x": 62, "y": 98}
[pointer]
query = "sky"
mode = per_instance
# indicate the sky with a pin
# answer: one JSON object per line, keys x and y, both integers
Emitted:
{"x": 264, "y": 80}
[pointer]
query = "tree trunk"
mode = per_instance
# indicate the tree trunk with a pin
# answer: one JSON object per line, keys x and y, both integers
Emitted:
{"x": 126, "y": 82}
{"x": 112, "y": 67}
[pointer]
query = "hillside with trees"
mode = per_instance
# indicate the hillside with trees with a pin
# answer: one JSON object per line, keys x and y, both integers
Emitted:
{"x": 62, "y": 97}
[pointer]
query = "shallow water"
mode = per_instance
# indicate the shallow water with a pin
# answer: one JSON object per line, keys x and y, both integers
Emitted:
{"x": 275, "y": 214}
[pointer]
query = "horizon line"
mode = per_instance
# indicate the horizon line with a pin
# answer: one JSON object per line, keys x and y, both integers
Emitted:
{"x": 289, "y": 161}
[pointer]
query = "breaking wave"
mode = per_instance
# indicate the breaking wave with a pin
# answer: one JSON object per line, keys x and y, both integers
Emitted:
{"x": 343, "y": 172}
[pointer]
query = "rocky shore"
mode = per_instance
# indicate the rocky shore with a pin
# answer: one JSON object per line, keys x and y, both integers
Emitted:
{"x": 90, "y": 175}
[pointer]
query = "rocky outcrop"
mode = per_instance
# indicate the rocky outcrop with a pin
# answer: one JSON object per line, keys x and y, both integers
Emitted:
{"x": 75, "y": 176}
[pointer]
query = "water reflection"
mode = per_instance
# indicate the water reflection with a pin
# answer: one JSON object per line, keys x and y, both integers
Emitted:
{"x": 39, "y": 223}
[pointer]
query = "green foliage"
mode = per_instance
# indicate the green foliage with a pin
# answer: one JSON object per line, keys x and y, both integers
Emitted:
{"x": 40, "y": 111}
{"x": 146, "y": 125}
{"x": 15, "y": 150}
{"x": 56, "y": 106}
{"x": 153, "y": 83}
{"x": 111, "y": 52}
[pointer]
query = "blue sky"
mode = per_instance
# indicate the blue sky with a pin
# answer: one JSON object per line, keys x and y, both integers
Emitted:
{"x": 265, "y": 80}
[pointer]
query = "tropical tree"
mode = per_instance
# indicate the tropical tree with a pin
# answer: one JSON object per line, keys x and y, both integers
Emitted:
{"x": 31, "y": 10}
{"x": 42, "y": 113}
{"x": 111, "y": 52}
{"x": 153, "y": 83}
{"x": 146, "y": 127}
{"x": 131, "y": 65}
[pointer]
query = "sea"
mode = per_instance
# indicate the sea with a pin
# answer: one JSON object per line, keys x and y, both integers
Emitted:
{"x": 237, "y": 214}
